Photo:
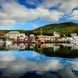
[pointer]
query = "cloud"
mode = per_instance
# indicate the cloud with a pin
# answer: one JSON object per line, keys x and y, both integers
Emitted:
{"x": 34, "y": 26}
{"x": 66, "y": 6}
{"x": 74, "y": 65}
{"x": 13, "y": 12}
{"x": 7, "y": 22}
{"x": 53, "y": 65}
{"x": 4, "y": 56}
{"x": 20, "y": 13}
{"x": 69, "y": 5}
{"x": 18, "y": 67}
{"x": 67, "y": 73}
{"x": 33, "y": 2}
{"x": 5, "y": 59}
{"x": 34, "y": 54}
{"x": 73, "y": 15}
{"x": 50, "y": 3}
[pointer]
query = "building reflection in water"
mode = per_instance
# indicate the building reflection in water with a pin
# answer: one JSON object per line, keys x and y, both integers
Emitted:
{"x": 19, "y": 64}
{"x": 23, "y": 46}
{"x": 20, "y": 46}
{"x": 60, "y": 49}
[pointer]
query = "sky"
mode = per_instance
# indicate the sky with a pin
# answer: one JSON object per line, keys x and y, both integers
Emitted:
{"x": 31, "y": 14}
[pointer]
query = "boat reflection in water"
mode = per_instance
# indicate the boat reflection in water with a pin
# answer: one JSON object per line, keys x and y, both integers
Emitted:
{"x": 65, "y": 50}
{"x": 39, "y": 61}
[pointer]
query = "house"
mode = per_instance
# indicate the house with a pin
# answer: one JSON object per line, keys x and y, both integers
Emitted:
{"x": 14, "y": 35}
{"x": 56, "y": 34}
{"x": 32, "y": 37}
{"x": 41, "y": 38}
{"x": 22, "y": 36}
{"x": 73, "y": 34}
{"x": 45, "y": 38}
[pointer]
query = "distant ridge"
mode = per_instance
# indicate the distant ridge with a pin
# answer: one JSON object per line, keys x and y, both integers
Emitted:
{"x": 63, "y": 28}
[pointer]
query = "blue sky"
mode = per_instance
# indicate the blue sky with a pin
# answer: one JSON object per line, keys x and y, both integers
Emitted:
{"x": 31, "y": 14}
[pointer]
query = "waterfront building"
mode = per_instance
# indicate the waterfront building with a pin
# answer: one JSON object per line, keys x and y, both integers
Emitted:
{"x": 26, "y": 38}
{"x": 15, "y": 35}
{"x": 74, "y": 38}
{"x": 56, "y": 34}
{"x": 73, "y": 34}
{"x": 41, "y": 38}
{"x": 32, "y": 38}
{"x": 22, "y": 36}
{"x": 46, "y": 38}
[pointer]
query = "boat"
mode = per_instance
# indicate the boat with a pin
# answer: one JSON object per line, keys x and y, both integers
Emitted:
{"x": 7, "y": 42}
{"x": 1, "y": 42}
{"x": 74, "y": 40}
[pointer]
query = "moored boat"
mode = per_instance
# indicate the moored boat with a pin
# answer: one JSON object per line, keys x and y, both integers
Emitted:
{"x": 74, "y": 40}
{"x": 1, "y": 42}
{"x": 7, "y": 42}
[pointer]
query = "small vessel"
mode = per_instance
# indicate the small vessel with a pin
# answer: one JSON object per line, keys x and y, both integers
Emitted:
{"x": 74, "y": 40}
{"x": 7, "y": 42}
{"x": 1, "y": 42}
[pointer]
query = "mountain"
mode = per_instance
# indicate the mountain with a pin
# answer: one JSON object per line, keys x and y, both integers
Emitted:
{"x": 63, "y": 28}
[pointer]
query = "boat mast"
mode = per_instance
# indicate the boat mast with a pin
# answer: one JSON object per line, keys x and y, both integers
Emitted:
{"x": 41, "y": 31}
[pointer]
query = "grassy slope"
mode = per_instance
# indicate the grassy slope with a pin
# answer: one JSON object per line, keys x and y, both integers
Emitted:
{"x": 64, "y": 28}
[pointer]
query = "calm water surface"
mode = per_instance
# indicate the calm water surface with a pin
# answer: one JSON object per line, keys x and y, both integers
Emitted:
{"x": 39, "y": 61}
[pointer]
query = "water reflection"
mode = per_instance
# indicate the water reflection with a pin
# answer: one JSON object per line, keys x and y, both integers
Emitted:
{"x": 39, "y": 61}
{"x": 33, "y": 65}
{"x": 60, "y": 50}
{"x": 22, "y": 46}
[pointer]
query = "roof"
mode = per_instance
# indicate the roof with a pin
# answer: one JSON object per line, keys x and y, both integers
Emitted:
{"x": 13, "y": 32}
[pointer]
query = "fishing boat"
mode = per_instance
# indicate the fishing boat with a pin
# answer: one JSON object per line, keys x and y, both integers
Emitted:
{"x": 1, "y": 42}
{"x": 74, "y": 40}
{"x": 7, "y": 42}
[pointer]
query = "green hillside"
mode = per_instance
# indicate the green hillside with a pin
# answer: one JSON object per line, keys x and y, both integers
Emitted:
{"x": 63, "y": 28}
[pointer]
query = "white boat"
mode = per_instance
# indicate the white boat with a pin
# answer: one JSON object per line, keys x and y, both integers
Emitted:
{"x": 1, "y": 42}
{"x": 7, "y": 42}
{"x": 74, "y": 40}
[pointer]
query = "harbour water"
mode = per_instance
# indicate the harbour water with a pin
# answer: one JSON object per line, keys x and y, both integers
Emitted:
{"x": 58, "y": 60}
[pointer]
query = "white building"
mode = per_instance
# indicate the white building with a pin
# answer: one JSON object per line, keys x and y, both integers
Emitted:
{"x": 56, "y": 34}
{"x": 73, "y": 34}
{"x": 22, "y": 36}
{"x": 32, "y": 37}
{"x": 15, "y": 34}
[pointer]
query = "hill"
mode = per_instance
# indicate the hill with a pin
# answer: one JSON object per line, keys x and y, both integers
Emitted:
{"x": 63, "y": 28}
